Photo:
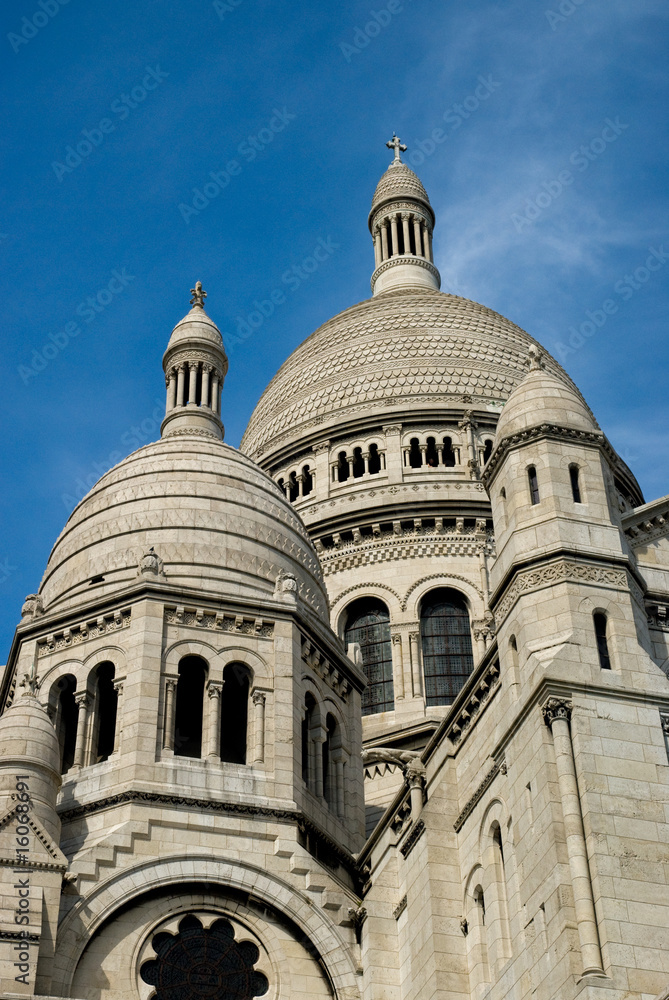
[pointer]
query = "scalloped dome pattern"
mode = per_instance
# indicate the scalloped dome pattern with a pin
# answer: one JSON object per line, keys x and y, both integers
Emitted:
{"x": 219, "y": 524}
{"x": 389, "y": 351}
{"x": 399, "y": 182}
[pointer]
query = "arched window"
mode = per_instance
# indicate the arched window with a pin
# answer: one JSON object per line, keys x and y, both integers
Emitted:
{"x": 307, "y": 481}
{"x": 67, "y": 714}
{"x": 534, "y": 484}
{"x": 374, "y": 460}
{"x": 368, "y": 625}
{"x": 415, "y": 454}
{"x": 294, "y": 488}
{"x": 431, "y": 454}
{"x": 235, "y": 712}
{"x": 106, "y": 707}
{"x": 487, "y": 451}
{"x": 307, "y": 723}
{"x": 358, "y": 463}
{"x": 448, "y": 452}
{"x": 342, "y": 467}
{"x": 500, "y": 932}
{"x": 599, "y": 619}
{"x": 446, "y": 642}
{"x": 190, "y": 694}
{"x": 575, "y": 483}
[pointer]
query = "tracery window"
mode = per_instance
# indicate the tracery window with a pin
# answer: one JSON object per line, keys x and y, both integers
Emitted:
{"x": 446, "y": 643}
{"x": 368, "y": 625}
{"x": 201, "y": 963}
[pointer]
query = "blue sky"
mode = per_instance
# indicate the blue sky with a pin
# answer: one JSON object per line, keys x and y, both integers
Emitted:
{"x": 549, "y": 189}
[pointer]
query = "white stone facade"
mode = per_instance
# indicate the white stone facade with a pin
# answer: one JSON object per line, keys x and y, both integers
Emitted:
{"x": 187, "y": 759}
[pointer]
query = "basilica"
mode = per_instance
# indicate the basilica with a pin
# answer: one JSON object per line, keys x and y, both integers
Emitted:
{"x": 375, "y": 707}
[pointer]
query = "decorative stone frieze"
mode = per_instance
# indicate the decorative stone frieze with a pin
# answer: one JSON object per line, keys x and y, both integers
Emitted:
{"x": 475, "y": 703}
{"x": 400, "y": 908}
{"x": 499, "y": 767}
{"x": 416, "y": 832}
{"x": 90, "y": 629}
{"x": 559, "y": 571}
{"x": 219, "y": 621}
{"x": 410, "y": 544}
{"x": 320, "y": 664}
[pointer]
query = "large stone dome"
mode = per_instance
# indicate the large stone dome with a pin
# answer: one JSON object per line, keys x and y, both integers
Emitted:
{"x": 414, "y": 347}
{"x": 217, "y": 522}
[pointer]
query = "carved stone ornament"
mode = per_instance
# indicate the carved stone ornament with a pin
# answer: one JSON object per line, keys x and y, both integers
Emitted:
{"x": 556, "y": 708}
{"x": 32, "y": 606}
{"x": 151, "y": 565}
{"x": 286, "y": 585}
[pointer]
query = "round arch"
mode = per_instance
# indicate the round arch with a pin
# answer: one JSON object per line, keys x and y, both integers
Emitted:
{"x": 472, "y": 594}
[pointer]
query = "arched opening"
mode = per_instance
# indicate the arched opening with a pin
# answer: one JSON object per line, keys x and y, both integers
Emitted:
{"x": 189, "y": 705}
{"x": 307, "y": 481}
{"x": 67, "y": 715}
{"x": 487, "y": 451}
{"x": 358, "y": 463}
{"x": 368, "y": 625}
{"x": 448, "y": 452}
{"x": 446, "y": 643}
{"x": 415, "y": 454}
{"x": 342, "y": 467}
{"x": 533, "y": 484}
{"x": 431, "y": 454}
{"x": 500, "y": 933}
{"x": 293, "y": 487}
{"x": 235, "y": 713}
{"x": 601, "y": 629}
{"x": 307, "y": 723}
{"x": 575, "y": 483}
{"x": 374, "y": 460}
{"x": 331, "y": 745}
{"x": 106, "y": 708}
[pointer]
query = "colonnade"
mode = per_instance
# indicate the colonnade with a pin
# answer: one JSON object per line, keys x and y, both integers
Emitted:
{"x": 194, "y": 383}
{"x": 402, "y": 233}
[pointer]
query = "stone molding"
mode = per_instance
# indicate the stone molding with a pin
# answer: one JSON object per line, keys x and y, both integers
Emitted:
{"x": 219, "y": 621}
{"x": 404, "y": 258}
{"x": 557, "y": 571}
{"x": 555, "y": 431}
{"x": 400, "y": 908}
{"x": 460, "y": 725}
{"x": 90, "y": 629}
{"x": 415, "y": 833}
{"x": 499, "y": 767}
{"x": 326, "y": 670}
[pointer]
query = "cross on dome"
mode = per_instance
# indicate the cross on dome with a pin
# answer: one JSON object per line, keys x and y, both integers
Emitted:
{"x": 199, "y": 295}
{"x": 399, "y": 147}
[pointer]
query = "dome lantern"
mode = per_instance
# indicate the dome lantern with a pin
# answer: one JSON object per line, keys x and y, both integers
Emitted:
{"x": 401, "y": 222}
{"x": 195, "y": 365}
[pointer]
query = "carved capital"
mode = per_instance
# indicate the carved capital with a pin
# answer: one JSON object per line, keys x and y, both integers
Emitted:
{"x": 81, "y": 699}
{"x": 393, "y": 429}
{"x": 258, "y": 697}
{"x": 556, "y": 708}
{"x": 171, "y": 683}
{"x": 215, "y": 689}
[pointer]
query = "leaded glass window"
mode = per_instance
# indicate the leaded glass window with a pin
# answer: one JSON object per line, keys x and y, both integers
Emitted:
{"x": 446, "y": 642}
{"x": 368, "y": 625}
{"x": 201, "y": 963}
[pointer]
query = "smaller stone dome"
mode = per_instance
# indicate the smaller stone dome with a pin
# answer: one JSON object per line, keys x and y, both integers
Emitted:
{"x": 543, "y": 398}
{"x": 195, "y": 327}
{"x": 399, "y": 182}
{"x": 28, "y": 737}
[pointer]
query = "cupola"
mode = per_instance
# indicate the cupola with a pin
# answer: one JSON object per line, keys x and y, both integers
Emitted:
{"x": 401, "y": 222}
{"x": 195, "y": 366}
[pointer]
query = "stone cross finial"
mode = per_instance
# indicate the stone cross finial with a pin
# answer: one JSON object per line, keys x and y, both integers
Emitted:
{"x": 399, "y": 147}
{"x": 198, "y": 296}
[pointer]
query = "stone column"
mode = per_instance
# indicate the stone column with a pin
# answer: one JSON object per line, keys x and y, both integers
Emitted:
{"x": 82, "y": 702}
{"x": 215, "y": 392}
{"x": 557, "y": 714}
{"x": 318, "y": 738}
{"x": 181, "y": 377}
{"x": 300, "y": 485}
{"x": 365, "y": 458}
{"x": 393, "y": 235}
{"x": 384, "y": 240}
{"x": 468, "y": 426}
{"x": 405, "y": 232}
{"x": 429, "y": 244}
{"x": 118, "y": 728}
{"x": 423, "y": 454}
{"x": 192, "y": 381}
{"x": 350, "y": 459}
{"x": 416, "y": 778}
{"x": 398, "y": 666}
{"x": 426, "y": 242}
{"x": 214, "y": 692}
{"x": 171, "y": 391}
{"x": 206, "y": 371}
{"x": 378, "y": 251}
{"x": 170, "y": 713}
{"x": 338, "y": 760}
{"x": 414, "y": 649}
{"x": 259, "y": 699}
{"x": 417, "y": 236}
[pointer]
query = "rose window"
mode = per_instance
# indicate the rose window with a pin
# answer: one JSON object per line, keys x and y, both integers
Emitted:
{"x": 201, "y": 963}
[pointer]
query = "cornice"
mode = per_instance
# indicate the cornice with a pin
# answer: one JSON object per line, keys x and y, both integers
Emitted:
{"x": 554, "y": 431}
